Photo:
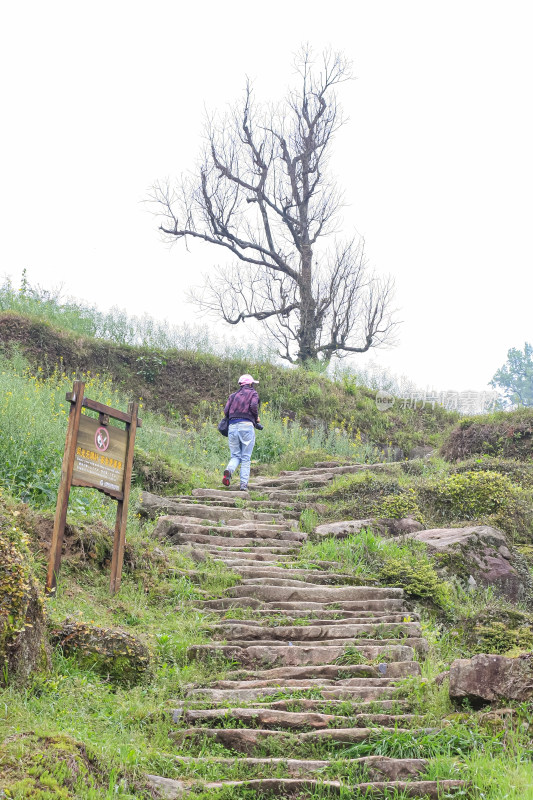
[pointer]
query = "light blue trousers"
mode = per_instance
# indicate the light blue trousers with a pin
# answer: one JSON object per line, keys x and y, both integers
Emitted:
{"x": 241, "y": 439}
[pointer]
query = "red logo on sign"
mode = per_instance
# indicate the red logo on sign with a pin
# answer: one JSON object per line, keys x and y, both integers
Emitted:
{"x": 102, "y": 439}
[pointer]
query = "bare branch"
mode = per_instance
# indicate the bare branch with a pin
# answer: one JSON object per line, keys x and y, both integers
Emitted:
{"x": 264, "y": 195}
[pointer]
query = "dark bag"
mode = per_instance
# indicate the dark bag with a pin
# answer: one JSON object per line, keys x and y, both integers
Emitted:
{"x": 223, "y": 426}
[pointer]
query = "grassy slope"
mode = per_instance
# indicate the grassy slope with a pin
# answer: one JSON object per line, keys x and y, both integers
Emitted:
{"x": 185, "y": 382}
{"x": 110, "y": 736}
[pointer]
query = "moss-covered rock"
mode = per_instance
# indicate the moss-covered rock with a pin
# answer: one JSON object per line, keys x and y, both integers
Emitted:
{"x": 497, "y": 637}
{"x": 111, "y": 652}
{"x": 23, "y": 648}
{"x": 481, "y": 553}
{"x": 57, "y": 767}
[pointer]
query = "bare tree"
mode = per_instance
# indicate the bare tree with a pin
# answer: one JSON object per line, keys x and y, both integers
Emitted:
{"x": 263, "y": 194}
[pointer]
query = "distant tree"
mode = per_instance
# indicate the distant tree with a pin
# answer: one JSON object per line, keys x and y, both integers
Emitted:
{"x": 515, "y": 378}
{"x": 263, "y": 195}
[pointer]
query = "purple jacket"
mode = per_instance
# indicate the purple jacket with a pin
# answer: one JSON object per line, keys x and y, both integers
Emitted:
{"x": 243, "y": 404}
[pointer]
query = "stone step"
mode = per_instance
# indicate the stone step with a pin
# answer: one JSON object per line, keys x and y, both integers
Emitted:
{"x": 375, "y": 767}
{"x": 260, "y": 573}
{"x": 236, "y": 563}
{"x": 214, "y": 513}
{"x": 226, "y": 541}
{"x": 290, "y": 655}
{"x": 171, "y": 789}
{"x": 289, "y": 491}
{"x": 341, "y": 469}
{"x": 245, "y": 740}
{"x": 362, "y": 674}
{"x": 295, "y": 720}
{"x": 346, "y": 706}
{"x": 283, "y": 495}
{"x": 329, "y": 692}
{"x": 281, "y": 552}
{"x": 172, "y": 527}
{"x": 289, "y": 510}
{"x": 393, "y": 620}
{"x": 320, "y": 617}
{"x": 327, "y": 706}
{"x": 277, "y": 579}
{"x": 303, "y": 682}
{"x": 316, "y": 594}
{"x": 242, "y": 630}
{"x": 219, "y": 494}
{"x": 386, "y": 606}
{"x": 419, "y": 644}
{"x": 292, "y": 482}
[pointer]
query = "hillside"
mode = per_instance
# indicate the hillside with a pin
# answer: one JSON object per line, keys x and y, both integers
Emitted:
{"x": 188, "y": 383}
{"x": 318, "y": 636}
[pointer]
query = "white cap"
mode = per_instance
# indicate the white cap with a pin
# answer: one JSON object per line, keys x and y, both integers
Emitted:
{"x": 247, "y": 379}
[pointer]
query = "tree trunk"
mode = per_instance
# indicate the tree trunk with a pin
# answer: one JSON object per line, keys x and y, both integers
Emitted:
{"x": 307, "y": 333}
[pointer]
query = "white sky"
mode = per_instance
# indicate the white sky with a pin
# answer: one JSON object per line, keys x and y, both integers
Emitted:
{"x": 101, "y": 99}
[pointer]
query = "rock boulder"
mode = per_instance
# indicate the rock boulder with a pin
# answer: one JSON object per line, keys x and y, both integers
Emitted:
{"x": 481, "y": 552}
{"x": 488, "y": 678}
{"x": 341, "y": 530}
{"x": 393, "y": 527}
{"x": 23, "y": 647}
{"x": 112, "y": 652}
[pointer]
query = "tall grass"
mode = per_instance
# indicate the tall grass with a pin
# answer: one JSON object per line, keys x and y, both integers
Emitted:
{"x": 33, "y": 420}
{"x": 117, "y": 326}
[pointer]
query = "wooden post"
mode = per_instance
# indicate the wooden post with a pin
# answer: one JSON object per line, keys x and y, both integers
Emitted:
{"x": 122, "y": 506}
{"x": 54, "y": 559}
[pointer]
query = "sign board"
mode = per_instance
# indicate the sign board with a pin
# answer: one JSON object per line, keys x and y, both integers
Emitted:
{"x": 99, "y": 456}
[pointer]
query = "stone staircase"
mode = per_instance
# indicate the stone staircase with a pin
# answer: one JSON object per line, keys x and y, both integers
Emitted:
{"x": 315, "y": 657}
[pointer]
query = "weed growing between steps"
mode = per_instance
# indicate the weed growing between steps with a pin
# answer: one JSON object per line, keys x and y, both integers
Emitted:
{"x": 392, "y": 562}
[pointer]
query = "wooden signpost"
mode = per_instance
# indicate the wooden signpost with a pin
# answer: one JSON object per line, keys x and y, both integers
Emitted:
{"x": 100, "y": 456}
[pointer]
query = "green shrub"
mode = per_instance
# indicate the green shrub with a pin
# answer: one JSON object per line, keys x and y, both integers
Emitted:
{"x": 469, "y": 495}
{"x": 519, "y": 472}
{"x": 515, "y": 517}
{"x": 366, "y": 486}
{"x": 497, "y": 637}
{"x": 399, "y": 506}
{"x": 419, "y": 579}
